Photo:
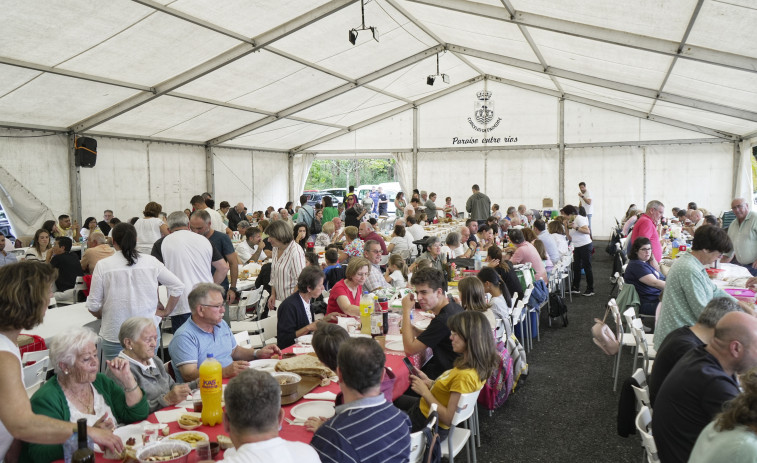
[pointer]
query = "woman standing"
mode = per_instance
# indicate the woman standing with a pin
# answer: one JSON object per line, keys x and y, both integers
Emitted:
{"x": 150, "y": 228}
{"x": 288, "y": 261}
{"x": 643, "y": 272}
{"x": 582, "y": 248}
{"x": 354, "y": 212}
{"x": 477, "y": 360}
{"x": 400, "y": 204}
{"x": 24, "y": 296}
{"x": 329, "y": 210}
{"x": 125, "y": 285}
{"x": 40, "y": 246}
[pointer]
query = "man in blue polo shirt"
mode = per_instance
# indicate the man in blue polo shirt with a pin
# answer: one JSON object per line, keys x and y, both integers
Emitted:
{"x": 206, "y": 333}
{"x": 346, "y": 437}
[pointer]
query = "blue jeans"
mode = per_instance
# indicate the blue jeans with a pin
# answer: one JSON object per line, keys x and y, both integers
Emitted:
{"x": 110, "y": 350}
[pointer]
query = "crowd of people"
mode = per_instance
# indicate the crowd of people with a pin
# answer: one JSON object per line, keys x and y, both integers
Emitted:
{"x": 193, "y": 255}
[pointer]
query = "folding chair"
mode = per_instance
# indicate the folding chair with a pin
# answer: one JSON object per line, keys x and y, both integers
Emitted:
{"x": 35, "y": 375}
{"x": 642, "y": 346}
{"x": 243, "y": 338}
{"x": 627, "y": 339}
{"x": 460, "y": 438}
{"x": 34, "y": 356}
{"x": 267, "y": 333}
{"x": 643, "y": 422}
{"x": 642, "y": 392}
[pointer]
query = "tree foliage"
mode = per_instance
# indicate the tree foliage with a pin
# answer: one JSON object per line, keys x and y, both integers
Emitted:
{"x": 340, "y": 173}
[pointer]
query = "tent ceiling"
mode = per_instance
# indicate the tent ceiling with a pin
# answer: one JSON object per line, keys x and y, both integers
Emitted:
{"x": 282, "y": 75}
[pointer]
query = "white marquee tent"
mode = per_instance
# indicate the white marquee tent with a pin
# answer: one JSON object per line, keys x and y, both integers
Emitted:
{"x": 642, "y": 100}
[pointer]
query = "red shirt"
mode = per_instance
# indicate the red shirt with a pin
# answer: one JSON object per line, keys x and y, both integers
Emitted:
{"x": 376, "y": 237}
{"x": 341, "y": 289}
{"x": 646, "y": 228}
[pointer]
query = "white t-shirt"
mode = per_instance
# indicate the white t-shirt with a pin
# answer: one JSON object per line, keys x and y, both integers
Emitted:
{"x": 417, "y": 231}
{"x": 400, "y": 246}
{"x": 453, "y": 253}
{"x": 580, "y": 239}
{"x": 216, "y": 221}
{"x": 276, "y": 449}
{"x": 587, "y": 207}
{"x": 398, "y": 281}
{"x": 148, "y": 232}
{"x": 562, "y": 243}
{"x": 188, "y": 256}
{"x": 245, "y": 252}
{"x": 6, "y": 345}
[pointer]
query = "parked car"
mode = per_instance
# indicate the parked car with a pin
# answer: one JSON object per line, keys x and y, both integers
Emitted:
{"x": 316, "y": 197}
{"x": 340, "y": 193}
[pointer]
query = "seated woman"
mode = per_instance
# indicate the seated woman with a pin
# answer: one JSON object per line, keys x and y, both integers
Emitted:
{"x": 473, "y": 297}
{"x": 90, "y": 226}
{"x": 396, "y": 271}
{"x": 732, "y": 436}
{"x": 399, "y": 243}
{"x": 326, "y": 236}
{"x": 301, "y": 234}
{"x": 500, "y": 296}
{"x": 557, "y": 232}
{"x": 478, "y": 359}
{"x": 79, "y": 391}
{"x": 453, "y": 248}
{"x": 524, "y": 252}
{"x": 643, "y": 272}
{"x": 433, "y": 254}
{"x": 295, "y": 317}
{"x": 344, "y": 297}
{"x": 139, "y": 337}
{"x": 40, "y": 246}
{"x": 506, "y": 272}
{"x": 548, "y": 265}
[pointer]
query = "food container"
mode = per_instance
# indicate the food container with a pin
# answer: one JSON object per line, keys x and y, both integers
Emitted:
{"x": 215, "y": 447}
{"x": 715, "y": 273}
{"x": 165, "y": 448}
{"x": 288, "y": 382}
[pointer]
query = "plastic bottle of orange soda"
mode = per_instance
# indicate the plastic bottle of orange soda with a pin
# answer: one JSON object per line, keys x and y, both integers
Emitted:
{"x": 211, "y": 391}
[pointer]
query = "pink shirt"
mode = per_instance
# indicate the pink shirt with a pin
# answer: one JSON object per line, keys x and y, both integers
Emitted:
{"x": 526, "y": 252}
{"x": 646, "y": 228}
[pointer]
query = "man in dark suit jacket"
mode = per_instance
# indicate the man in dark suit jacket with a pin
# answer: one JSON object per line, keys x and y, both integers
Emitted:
{"x": 295, "y": 317}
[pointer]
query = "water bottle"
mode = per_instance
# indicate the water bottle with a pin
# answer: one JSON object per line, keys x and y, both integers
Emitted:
{"x": 674, "y": 250}
{"x": 477, "y": 261}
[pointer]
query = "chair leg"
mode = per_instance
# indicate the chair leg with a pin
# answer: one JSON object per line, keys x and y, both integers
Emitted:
{"x": 617, "y": 369}
{"x": 635, "y": 358}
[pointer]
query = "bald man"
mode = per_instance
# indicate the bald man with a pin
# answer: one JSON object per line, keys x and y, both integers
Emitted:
{"x": 700, "y": 383}
{"x": 236, "y": 215}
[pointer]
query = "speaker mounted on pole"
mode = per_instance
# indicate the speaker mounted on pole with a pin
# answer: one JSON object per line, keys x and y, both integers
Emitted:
{"x": 85, "y": 154}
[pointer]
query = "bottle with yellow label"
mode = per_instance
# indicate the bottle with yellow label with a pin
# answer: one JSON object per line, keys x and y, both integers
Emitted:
{"x": 211, "y": 391}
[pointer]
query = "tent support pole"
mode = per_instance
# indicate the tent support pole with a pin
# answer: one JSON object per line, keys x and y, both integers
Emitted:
{"x": 561, "y": 157}
{"x": 736, "y": 166}
{"x": 291, "y": 177}
{"x": 415, "y": 147}
{"x": 75, "y": 179}
{"x": 210, "y": 171}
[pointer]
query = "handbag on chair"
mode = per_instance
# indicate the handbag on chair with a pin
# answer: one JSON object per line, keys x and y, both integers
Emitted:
{"x": 604, "y": 337}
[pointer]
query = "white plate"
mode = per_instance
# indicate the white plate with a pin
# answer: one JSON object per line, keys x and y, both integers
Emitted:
{"x": 125, "y": 432}
{"x": 176, "y": 434}
{"x": 395, "y": 345}
{"x": 267, "y": 365}
{"x": 306, "y": 339}
{"x": 305, "y": 410}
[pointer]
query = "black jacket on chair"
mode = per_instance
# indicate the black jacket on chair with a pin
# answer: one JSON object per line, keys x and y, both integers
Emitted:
{"x": 291, "y": 317}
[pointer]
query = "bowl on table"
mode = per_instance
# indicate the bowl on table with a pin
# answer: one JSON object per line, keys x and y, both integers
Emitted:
{"x": 176, "y": 451}
{"x": 289, "y": 382}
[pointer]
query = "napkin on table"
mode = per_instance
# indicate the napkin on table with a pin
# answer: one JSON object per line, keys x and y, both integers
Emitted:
{"x": 168, "y": 416}
{"x": 321, "y": 396}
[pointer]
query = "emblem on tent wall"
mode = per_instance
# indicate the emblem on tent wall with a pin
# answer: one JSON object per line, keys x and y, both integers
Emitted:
{"x": 483, "y": 113}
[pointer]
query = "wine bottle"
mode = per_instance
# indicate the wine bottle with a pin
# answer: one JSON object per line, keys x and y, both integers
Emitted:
{"x": 83, "y": 454}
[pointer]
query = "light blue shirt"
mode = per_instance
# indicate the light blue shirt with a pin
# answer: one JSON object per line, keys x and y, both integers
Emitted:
{"x": 8, "y": 258}
{"x": 191, "y": 345}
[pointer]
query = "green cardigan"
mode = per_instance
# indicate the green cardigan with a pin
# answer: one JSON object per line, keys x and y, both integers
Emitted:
{"x": 50, "y": 401}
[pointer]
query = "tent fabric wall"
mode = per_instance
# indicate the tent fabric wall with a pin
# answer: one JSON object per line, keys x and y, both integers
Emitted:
{"x": 516, "y": 177}
{"x": 744, "y": 185}
{"x": 451, "y": 173}
{"x": 25, "y": 212}
{"x": 300, "y": 169}
{"x": 177, "y": 172}
{"x": 271, "y": 179}
{"x": 404, "y": 168}
{"x": 233, "y": 175}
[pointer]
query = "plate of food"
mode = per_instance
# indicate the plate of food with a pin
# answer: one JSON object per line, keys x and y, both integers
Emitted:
{"x": 305, "y": 410}
{"x": 131, "y": 435}
{"x": 395, "y": 346}
{"x": 267, "y": 365}
{"x": 190, "y": 437}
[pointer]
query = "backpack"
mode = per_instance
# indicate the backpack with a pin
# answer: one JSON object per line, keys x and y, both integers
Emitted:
{"x": 518, "y": 355}
{"x": 539, "y": 295}
{"x": 558, "y": 308}
{"x": 432, "y": 452}
{"x": 315, "y": 227}
{"x": 497, "y": 388}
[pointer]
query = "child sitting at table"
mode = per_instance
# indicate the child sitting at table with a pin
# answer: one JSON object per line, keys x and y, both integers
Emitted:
{"x": 334, "y": 270}
{"x": 396, "y": 271}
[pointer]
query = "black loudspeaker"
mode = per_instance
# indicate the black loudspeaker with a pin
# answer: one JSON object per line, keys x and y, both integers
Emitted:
{"x": 86, "y": 152}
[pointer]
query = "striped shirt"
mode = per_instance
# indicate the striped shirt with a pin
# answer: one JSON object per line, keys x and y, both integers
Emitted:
{"x": 285, "y": 269}
{"x": 369, "y": 430}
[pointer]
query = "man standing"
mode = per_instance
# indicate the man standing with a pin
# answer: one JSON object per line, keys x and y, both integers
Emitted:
{"x": 198, "y": 203}
{"x": 97, "y": 249}
{"x": 429, "y": 292}
{"x": 585, "y": 201}
{"x": 431, "y": 207}
{"x": 646, "y": 226}
{"x": 206, "y": 333}
{"x": 190, "y": 257}
{"x": 700, "y": 383}
{"x": 367, "y": 233}
{"x": 478, "y": 205}
{"x": 236, "y": 215}
{"x": 743, "y": 234}
{"x": 375, "y": 199}
{"x": 252, "y": 418}
{"x": 200, "y": 224}
{"x": 6, "y": 257}
{"x": 383, "y": 202}
{"x": 306, "y": 213}
{"x": 365, "y": 428}
{"x": 372, "y": 252}
{"x": 104, "y": 224}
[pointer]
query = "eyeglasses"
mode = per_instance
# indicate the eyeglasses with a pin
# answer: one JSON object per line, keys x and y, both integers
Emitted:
{"x": 217, "y": 306}
{"x": 362, "y": 274}
{"x": 645, "y": 249}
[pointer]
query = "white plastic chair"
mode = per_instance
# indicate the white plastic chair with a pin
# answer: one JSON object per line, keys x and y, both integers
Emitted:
{"x": 35, "y": 375}
{"x": 643, "y": 421}
{"x": 627, "y": 340}
{"x": 642, "y": 392}
{"x": 243, "y": 338}
{"x": 35, "y": 356}
{"x": 267, "y": 333}
{"x": 460, "y": 438}
{"x": 418, "y": 441}
{"x": 642, "y": 346}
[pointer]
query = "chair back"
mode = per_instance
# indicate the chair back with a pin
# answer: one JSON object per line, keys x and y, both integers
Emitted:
{"x": 35, "y": 356}
{"x": 642, "y": 396}
{"x": 169, "y": 369}
{"x": 242, "y": 338}
{"x": 640, "y": 376}
{"x": 79, "y": 286}
{"x": 643, "y": 421}
{"x": 417, "y": 445}
{"x": 465, "y": 407}
{"x": 35, "y": 375}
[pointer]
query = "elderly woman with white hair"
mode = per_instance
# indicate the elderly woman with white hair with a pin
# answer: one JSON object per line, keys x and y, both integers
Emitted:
{"x": 79, "y": 391}
{"x": 139, "y": 337}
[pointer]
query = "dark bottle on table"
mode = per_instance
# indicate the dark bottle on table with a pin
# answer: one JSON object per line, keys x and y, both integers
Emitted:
{"x": 83, "y": 454}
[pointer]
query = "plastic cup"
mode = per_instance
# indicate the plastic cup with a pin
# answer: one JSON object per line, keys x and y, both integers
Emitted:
{"x": 203, "y": 451}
